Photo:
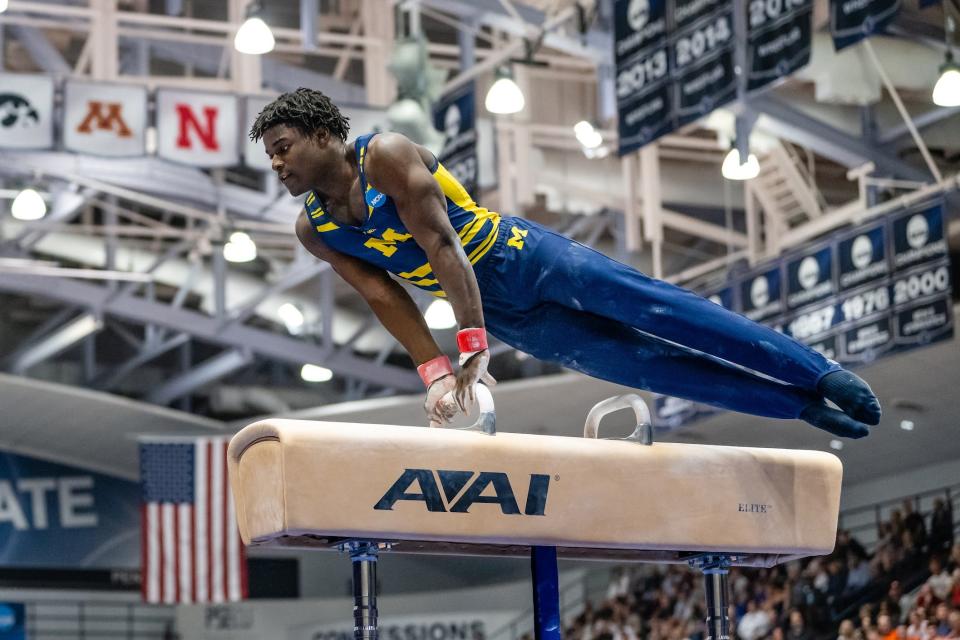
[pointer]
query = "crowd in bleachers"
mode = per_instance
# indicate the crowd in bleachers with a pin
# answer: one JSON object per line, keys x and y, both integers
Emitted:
{"x": 907, "y": 588}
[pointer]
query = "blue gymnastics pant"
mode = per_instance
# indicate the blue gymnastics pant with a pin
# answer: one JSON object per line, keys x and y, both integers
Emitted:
{"x": 563, "y": 302}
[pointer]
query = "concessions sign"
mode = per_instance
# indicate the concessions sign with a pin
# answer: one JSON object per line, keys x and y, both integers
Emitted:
{"x": 866, "y": 293}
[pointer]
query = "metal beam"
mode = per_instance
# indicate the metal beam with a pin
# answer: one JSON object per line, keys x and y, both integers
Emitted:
{"x": 109, "y": 380}
{"x": 56, "y": 342}
{"x": 204, "y": 327}
{"x": 788, "y": 122}
{"x": 41, "y": 50}
{"x": 296, "y": 275}
{"x": 209, "y": 371}
{"x": 921, "y": 121}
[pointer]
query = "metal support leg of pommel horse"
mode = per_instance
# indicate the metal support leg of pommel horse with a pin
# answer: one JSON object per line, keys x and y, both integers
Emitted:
{"x": 715, "y": 568}
{"x": 546, "y": 593}
{"x": 363, "y": 555}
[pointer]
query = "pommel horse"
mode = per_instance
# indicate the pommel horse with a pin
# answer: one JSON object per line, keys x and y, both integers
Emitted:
{"x": 476, "y": 491}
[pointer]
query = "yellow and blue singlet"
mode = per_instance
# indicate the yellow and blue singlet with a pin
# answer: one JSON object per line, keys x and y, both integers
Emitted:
{"x": 384, "y": 241}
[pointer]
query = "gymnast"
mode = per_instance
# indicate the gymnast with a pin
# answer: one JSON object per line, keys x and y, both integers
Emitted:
{"x": 383, "y": 204}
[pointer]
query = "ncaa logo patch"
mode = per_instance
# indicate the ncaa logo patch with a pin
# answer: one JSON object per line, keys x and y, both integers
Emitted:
{"x": 374, "y": 198}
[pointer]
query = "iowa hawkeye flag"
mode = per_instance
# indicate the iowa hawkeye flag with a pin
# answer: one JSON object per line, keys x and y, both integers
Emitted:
{"x": 191, "y": 549}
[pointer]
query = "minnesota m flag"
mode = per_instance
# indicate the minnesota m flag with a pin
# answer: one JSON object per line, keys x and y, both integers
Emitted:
{"x": 191, "y": 549}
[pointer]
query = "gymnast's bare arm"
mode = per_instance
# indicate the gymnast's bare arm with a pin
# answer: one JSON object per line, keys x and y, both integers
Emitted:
{"x": 396, "y": 167}
{"x": 386, "y": 298}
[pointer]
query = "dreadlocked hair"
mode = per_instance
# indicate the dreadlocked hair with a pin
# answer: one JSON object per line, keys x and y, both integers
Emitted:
{"x": 305, "y": 109}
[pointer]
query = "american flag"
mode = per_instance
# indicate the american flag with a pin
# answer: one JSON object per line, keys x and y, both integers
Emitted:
{"x": 190, "y": 548}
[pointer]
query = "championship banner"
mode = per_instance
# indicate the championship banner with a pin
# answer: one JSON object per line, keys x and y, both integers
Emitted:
{"x": 702, "y": 58}
{"x": 105, "y": 119}
{"x": 779, "y": 39}
{"x": 198, "y": 129}
{"x": 455, "y": 116}
{"x": 26, "y": 111}
{"x": 865, "y": 293}
{"x": 675, "y": 64}
{"x": 853, "y": 20}
{"x": 644, "y": 97}
{"x": 56, "y": 516}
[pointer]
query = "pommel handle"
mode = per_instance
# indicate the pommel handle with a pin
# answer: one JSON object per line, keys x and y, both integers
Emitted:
{"x": 643, "y": 433}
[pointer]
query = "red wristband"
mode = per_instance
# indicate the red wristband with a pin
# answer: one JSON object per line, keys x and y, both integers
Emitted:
{"x": 469, "y": 340}
{"x": 435, "y": 369}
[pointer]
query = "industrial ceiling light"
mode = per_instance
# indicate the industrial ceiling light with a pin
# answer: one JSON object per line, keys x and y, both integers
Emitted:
{"x": 315, "y": 373}
{"x": 587, "y": 135}
{"x": 734, "y": 169}
{"x": 439, "y": 315}
{"x": 504, "y": 96}
{"x": 946, "y": 93}
{"x": 240, "y": 248}
{"x": 292, "y": 317}
{"x": 3, "y": 5}
{"x": 28, "y": 205}
{"x": 254, "y": 36}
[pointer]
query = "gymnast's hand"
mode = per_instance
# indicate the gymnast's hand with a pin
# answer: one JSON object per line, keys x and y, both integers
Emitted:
{"x": 473, "y": 369}
{"x": 439, "y": 404}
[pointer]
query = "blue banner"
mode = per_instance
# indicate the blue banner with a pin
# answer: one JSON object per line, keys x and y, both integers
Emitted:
{"x": 674, "y": 64}
{"x": 13, "y": 621}
{"x": 52, "y": 515}
{"x": 865, "y": 293}
{"x": 455, "y": 116}
{"x": 778, "y": 39}
{"x": 853, "y": 20}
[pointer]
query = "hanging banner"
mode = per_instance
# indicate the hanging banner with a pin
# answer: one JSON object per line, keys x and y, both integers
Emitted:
{"x": 702, "y": 58}
{"x": 644, "y": 100}
{"x": 198, "y": 129}
{"x": 675, "y": 64}
{"x": 875, "y": 290}
{"x": 779, "y": 39}
{"x": 26, "y": 111}
{"x": 52, "y": 515}
{"x": 455, "y": 116}
{"x": 853, "y": 20}
{"x": 105, "y": 119}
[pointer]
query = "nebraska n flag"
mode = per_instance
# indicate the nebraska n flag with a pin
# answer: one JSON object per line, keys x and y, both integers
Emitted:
{"x": 191, "y": 549}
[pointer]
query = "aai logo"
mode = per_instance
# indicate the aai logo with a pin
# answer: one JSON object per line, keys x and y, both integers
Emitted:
{"x": 462, "y": 489}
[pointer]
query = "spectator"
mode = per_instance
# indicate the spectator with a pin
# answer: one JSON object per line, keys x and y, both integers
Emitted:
{"x": 913, "y": 522}
{"x": 918, "y": 629}
{"x": 939, "y": 581}
{"x": 954, "y": 562}
{"x": 885, "y": 628}
{"x": 836, "y": 579}
{"x": 941, "y": 620}
{"x": 798, "y": 629}
{"x": 755, "y": 623}
{"x": 941, "y": 526}
{"x": 859, "y": 574}
{"x": 846, "y": 631}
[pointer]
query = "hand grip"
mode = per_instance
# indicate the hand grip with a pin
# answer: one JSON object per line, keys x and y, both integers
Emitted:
{"x": 643, "y": 432}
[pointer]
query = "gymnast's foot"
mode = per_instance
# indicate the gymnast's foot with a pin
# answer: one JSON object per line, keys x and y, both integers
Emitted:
{"x": 852, "y": 394}
{"x": 836, "y": 422}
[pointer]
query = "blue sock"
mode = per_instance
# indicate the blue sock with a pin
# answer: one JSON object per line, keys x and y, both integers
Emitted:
{"x": 852, "y": 394}
{"x": 833, "y": 421}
